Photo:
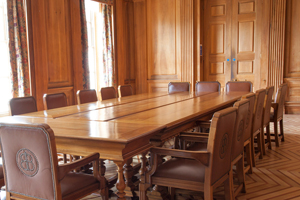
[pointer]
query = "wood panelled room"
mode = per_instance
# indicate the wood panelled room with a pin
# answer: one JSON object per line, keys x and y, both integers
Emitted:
{"x": 150, "y": 99}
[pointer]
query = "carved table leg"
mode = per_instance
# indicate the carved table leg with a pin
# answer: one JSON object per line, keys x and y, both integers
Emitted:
{"x": 142, "y": 186}
{"x": 120, "y": 183}
{"x": 128, "y": 173}
{"x": 103, "y": 192}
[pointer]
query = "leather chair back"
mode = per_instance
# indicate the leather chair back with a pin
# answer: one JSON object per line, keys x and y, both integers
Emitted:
{"x": 22, "y": 105}
{"x": 108, "y": 93}
{"x": 208, "y": 86}
{"x": 280, "y": 98}
{"x": 248, "y": 126}
{"x": 125, "y": 90}
{"x": 267, "y": 104}
{"x": 238, "y": 86}
{"x": 52, "y": 101}
{"x": 258, "y": 109}
{"x": 174, "y": 87}
{"x": 86, "y": 96}
{"x": 220, "y": 141}
{"x": 238, "y": 135}
{"x": 29, "y": 154}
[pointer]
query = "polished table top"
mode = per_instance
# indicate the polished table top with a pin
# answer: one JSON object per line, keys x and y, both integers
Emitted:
{"x": 129, "y": 122}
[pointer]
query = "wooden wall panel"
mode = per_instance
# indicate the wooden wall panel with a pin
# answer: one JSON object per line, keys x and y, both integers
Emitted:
{"x": 161, "y": 18}
{"x": 292, "y": 57}
{"x": 170, "y": 42}
{"x": 55, "y": 47}
{"x": 58, "y": 46}
{"x": 276, "y": 48}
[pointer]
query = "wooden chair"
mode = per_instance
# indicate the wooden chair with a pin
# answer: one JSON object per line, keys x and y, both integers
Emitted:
{"x": 232, "y": 86}
{"x": 125, "y": 90}
{"x": 108, "y": 93}
{"x": 31, "y": 169}
{"x": 256, "y": 125}
{"x": 247, "y": 136}
{"x": 86, "y": 96}
{"x": 22, "y": 105}
{"x": 277, "y": 113}
{"x": 196, "y": 170}
{"x": 57, "y": 100}
{"x": 266, "y": 119}
{"x": 207, "y": 86}
{"x": 174, "y": 87}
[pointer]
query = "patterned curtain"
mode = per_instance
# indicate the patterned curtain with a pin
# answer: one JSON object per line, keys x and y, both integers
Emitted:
{"x": 18, "y": 48}
{"x": 85, "y": 48}
{"x": 108, "y": 53}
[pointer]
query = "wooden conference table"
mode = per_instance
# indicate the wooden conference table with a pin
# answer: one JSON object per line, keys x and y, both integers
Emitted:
{"x": 121, "y": 128}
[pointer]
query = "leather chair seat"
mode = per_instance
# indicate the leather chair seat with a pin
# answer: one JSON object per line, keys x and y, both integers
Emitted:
{"x": 182, "y": 169}
{"x": 198, "y": 146}
{"x": 73, "y": 182}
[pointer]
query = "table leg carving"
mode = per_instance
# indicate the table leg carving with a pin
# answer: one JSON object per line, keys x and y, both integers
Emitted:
{"x": 128, "y": 174}
{"x": 120, "y": 183}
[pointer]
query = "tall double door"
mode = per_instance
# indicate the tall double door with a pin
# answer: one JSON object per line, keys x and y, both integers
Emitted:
{"x": 232, "y": 41}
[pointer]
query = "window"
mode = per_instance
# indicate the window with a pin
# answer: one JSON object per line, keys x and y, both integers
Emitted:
{"x": 5, "y": 69}
{"x": 100, "y": 43}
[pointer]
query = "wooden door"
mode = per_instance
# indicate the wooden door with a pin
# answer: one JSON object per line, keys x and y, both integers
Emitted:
{"x": 217, "y": 41}
{"x": 246, "y": 41}
{"x": 232, "y": 41}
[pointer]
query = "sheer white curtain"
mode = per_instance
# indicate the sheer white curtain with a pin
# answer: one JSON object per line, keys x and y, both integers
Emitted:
{"x": 5, "y": 69}
{"x": 101, "y": 61}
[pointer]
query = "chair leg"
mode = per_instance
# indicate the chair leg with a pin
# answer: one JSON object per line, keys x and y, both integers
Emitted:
{"x": 259, "y": 145}
{"x": 263, "y": 140}
{"x": 276, "y": 133}
{"x": 228, "y": 187}
{"x": 249, "y": 157}
{"x": 143, "y": 189}
{"x": 241, "y": 174}
{"x": 209, "y": 192}
{"x": 253, "y": 151}
{"x": 269, "y": 136}
{"x": 281, "y": 130}
{"x": 172, "y": 193}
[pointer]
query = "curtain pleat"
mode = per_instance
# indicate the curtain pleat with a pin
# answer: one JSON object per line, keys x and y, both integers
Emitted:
{"x": 108, "y": 57}
{"x": 85, "y": 48}
{"x": 18, "y": 48}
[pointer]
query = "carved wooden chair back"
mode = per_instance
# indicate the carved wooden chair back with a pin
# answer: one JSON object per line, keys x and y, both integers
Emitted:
{"x": 125, "y": 90}
{"x": 232, "y": 86}
{"x": 29, "y": 154}
{"x": 208, "y": 86}
{"x": 280, "y": 99}
{"x": 57, "y": 100}
{"x": 174, "y": 87}
{"x": 108, "y": 93}
{"x": 86, "y": 96}
{"x": 22, "y": 105}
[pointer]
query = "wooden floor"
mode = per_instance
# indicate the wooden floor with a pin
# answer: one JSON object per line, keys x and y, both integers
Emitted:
{"x": 276, "y": 177}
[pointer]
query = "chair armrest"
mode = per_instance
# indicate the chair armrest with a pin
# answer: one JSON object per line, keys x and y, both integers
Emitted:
{"x": 194, "y": 133}
{"x": 202, "y": 156}
{"x": 65, "y": 168}
{"x": 194, "y": 138}
{"x": 274, "y": 105}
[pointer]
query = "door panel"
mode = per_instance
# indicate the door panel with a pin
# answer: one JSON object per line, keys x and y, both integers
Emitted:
{"x": 232, "y": 41}
{"x": 217, "y": 42}
{"x": 245, "y": 42}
